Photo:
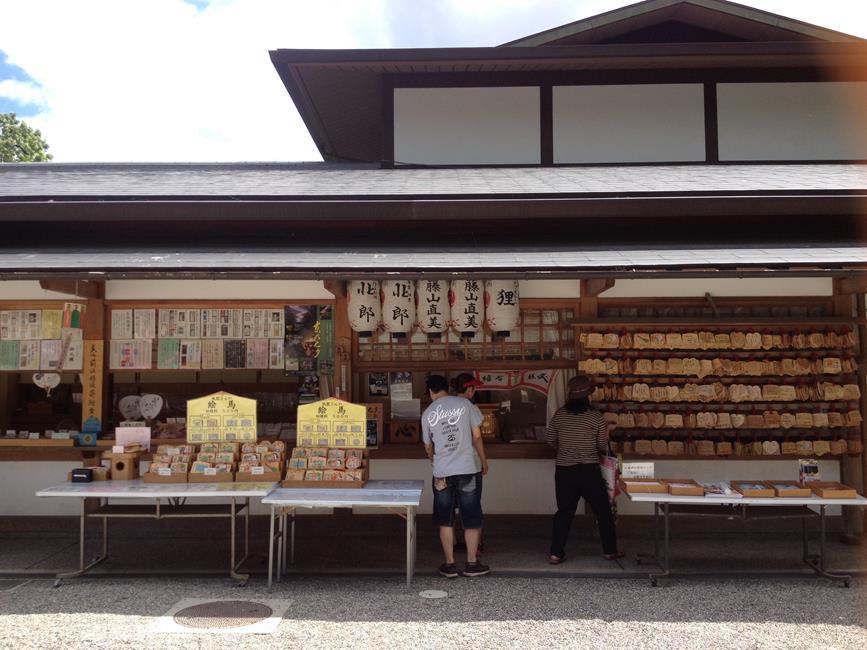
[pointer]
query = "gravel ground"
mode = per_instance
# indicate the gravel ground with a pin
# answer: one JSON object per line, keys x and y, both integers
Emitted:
{"x": 490, "y": 612}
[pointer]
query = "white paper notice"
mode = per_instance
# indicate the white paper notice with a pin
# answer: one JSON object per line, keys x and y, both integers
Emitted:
{"x": 191, "y": 354}
{"x": 275, "y": 354}
{"x": 257, "y": 353}
{"x": 72, "y": 346}
{"x": 121, "y": 323}
{"x": 49, "y": 355}
{"x": 28, "y": 355}
{"x": 130, "y": 355}
{"x": 212, "y": 354}
{"x": 145, "y": 323}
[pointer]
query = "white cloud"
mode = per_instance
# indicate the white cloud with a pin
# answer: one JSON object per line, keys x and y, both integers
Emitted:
{"x": 23, "y": 92}
{"x": 159, "y": 80}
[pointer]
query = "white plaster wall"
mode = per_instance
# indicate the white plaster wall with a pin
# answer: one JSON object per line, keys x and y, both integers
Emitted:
{"x": 722, "y": 287}
{"x": 792, "y": 121}
{"x": 549, "y": 288}
{"x": 635, "y": 123}
{"x": 442, "y": 126}
{"x": 28, "y": 290}
{"x": 216, "y": 290}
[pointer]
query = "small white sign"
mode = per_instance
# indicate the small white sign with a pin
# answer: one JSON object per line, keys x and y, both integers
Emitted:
{"x": 33, "y": 435}
{"x": 164, "y": 471}
{"x": 210, "y": 471}
{"x": 11, "y": 433}
{"x": 636, "y": 470}
{"x": 117, "y": 449}
{"x": 59, "y": 435}
{"x": 257, "y": 471}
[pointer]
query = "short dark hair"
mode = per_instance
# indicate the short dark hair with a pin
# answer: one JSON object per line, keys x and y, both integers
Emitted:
{"x": 459, "y": 383}
{"x": 437, "y": 384}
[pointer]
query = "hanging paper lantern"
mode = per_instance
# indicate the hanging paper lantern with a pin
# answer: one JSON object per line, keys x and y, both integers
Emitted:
{"x": 398, "y": 307}
{"x": 433, "y": 310}
{"x": 502, "y": 310}
{"x": 363, "y": 306}
{"x": 468, "y": 307}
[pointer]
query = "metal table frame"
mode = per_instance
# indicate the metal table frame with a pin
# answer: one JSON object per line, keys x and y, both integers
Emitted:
{"x": 398, "y": 497}
{"x": 176, "y": 508}
{"x": 744, "y": 509}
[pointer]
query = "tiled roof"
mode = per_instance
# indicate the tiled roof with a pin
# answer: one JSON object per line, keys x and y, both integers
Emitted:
{"x": 325, "y": 180}
{"x": 409, "y": 261}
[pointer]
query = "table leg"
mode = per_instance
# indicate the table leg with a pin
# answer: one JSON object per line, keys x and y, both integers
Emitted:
{"x": 281, "y": 542}
{"x": 292, "y": 538}
{"x": 247, "y": 528}
{"x": 271, "y": 549}
{"x": 817, "y": 563}
{"x": 408, "y": 546}
{"x": 82, "y": 567}
{"x": 242, "y": 577}
{"x": 666, "y": 545}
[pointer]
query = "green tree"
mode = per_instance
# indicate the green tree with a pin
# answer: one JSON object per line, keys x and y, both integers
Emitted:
{"x": 20, "y": 143}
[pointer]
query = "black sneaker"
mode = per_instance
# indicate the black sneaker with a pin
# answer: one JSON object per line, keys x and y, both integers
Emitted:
{"x": 473, "y": 569}
{"x": 449, "y": 570}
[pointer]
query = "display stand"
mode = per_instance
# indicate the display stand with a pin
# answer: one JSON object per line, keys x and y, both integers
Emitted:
{"x": 399, "y": 497}
{"x": 176, "y": 508}
{"x": 666, "y": 506}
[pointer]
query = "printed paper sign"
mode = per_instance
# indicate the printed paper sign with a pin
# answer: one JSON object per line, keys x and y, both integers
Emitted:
{"x": 221, "y": 416}
{"x": 332, "y": 423}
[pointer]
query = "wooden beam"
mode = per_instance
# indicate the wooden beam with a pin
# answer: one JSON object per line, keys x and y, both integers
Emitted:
{"x": 850, "y": 285}
{"x": 80, "y": 288}
{"x": 336, "y": 287}
{"x": 593, "y": 287}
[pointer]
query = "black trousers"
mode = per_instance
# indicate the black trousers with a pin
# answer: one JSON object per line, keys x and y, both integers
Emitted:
{"x": 571, "y": 483}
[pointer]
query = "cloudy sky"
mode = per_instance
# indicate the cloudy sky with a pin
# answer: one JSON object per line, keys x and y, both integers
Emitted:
{"x": 190, "y": 80}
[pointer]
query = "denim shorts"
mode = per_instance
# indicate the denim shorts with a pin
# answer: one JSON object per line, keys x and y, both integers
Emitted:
{"x": 465, "y": 490}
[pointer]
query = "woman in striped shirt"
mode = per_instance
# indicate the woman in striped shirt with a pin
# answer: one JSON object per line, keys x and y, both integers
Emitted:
{"x": 579, "y": 433}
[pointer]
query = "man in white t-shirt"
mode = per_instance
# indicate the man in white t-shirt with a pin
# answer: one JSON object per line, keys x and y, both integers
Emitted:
{"x": 451, "y": 432}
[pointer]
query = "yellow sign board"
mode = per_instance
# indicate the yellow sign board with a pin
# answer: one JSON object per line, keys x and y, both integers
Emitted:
{"x": 332, "y": 423}
{"x": 91, "y": 382}
{"x": 221, "y": 417}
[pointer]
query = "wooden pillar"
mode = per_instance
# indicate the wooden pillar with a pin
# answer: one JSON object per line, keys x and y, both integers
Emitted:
{"x": 848, "y": 303}
{"x": 590, "y": 290}
{"x": 342, "y": 341}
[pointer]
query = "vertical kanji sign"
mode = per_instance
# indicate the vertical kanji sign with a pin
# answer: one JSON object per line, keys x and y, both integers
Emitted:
{"x": 91, "y": 398}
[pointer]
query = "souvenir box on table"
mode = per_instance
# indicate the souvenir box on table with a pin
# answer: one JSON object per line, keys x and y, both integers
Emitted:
{"x": 210, "y": 475}
{"x": 683, "y": 487}
{"x": 832, "y": 490}
{"x": 261, "y": 462}
{"x": 331, "y": 451}
{"x": 753, "y": 489}
{"x": 789, "y": 489}
{"x": 321, "y": 467}
{"x": 160, "y": 472}
{"x": 643, "y": 485}
{"x": 124, "y": 466}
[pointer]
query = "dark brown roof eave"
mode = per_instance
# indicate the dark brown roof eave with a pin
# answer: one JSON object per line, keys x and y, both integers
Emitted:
{"x": 402, "y": 209}
{"x": 434, "y": 56}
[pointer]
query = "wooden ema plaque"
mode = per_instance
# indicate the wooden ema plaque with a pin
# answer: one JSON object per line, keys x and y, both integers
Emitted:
{"x": 221, "y": 417}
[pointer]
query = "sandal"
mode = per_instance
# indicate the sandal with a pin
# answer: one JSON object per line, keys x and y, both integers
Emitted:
{"x": 614, "y": 556}
{"x": 553, "y": 559}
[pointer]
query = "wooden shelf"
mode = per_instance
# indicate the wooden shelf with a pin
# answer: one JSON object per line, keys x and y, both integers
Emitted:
{"x": 41, "y": 442}
{"x": 713, "y": 323}
{"x": 629, "y": 457}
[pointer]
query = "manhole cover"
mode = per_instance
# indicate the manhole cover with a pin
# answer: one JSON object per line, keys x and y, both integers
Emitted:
{"x": 223, "y": 614}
